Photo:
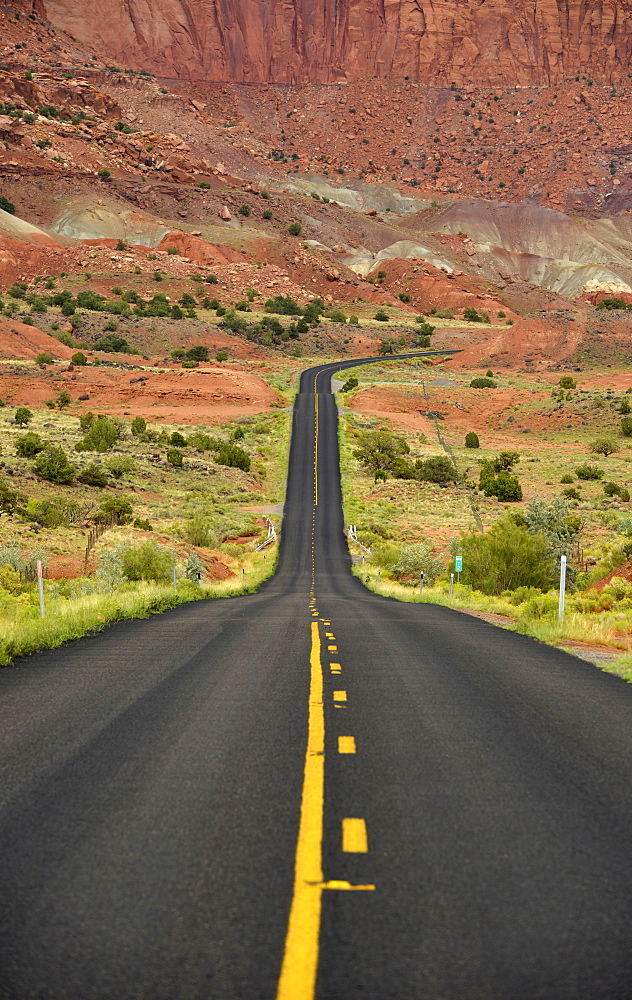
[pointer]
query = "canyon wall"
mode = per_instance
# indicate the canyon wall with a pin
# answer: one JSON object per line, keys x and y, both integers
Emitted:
{"x": 486, "y": 42}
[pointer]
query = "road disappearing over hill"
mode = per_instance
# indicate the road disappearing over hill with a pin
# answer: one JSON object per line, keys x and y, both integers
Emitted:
{"x": 314, "y": 792}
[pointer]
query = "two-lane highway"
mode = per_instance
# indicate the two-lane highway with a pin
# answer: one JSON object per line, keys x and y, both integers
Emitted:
{"x": 314, "y": 792}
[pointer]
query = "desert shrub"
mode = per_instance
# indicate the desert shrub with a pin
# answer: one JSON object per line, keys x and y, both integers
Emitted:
{"x": 233, "y": 456}
{"x": 63, "y": 399}
{"x": 506, "y": 557}
{"x": 174, "y": 457}
{"x": 351, "y": 383}
{"x": 381, "y": 316}
{"x": 267, "y": 213}
{"x": 603, "y": 446}
{"x": 139, "y": 426}
{"x": 79, "y": 358}
{"x": 587, "y": 472}
{"x": 113, "y": 345}
{"x": 483, "y": 383}
{"x": 624, "y": 405}
{"x": 198, "y": 353}
{"x": 6, "y": 205}
{"x": 415, "y": 559}
{"x": 203, "y": 442}
{"x": 294, "y": 229}
{"x": 571, "y": 494}
{"x": 221, "y": 355}
{"x": 567, "y": 382}
{"x": 383, "y": 451}
{"x": 52, "y": 464}
{"x": 567, "y": 478}
{"x": 177, "y": 440}
{"x": 29, "y": 445}
{"x": 195, "y": 568}
{"x": 86, "y": 420}
{"x": 147, "y": 561}
{"x": 445, "y": 313}
{"x": 354, "y": 321}
{"x": 244, "y": 210}
{"x": 612, "y": 303}
{"x": 120, "y": 465}
{"x": 238, "y": 434}
{"x": 199, "y": 530}
{"x": 23, "y": 416}
{"x": 471, "y": 440}
{"x": 404, "y": 296}
{"x": 626, "y": 426}
{"x": 9, "y": 499}
{"x": 388, "y": 346}
{"x": 504, "y": 487}
{"x": 437, "y": 469}
{"x": 425, "y": 329}
{"x": 93, "y": 475}
{"x": 421, "y": 341}
{"x": 102, "y": 435}
{"x": 117, "y": 507}
{"x": 470, "y": 314}
{"x": 336, "y": 316}
{"x": 44, "y": 358}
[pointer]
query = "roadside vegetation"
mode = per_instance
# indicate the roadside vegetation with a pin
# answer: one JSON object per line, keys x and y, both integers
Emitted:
{"x": 421, "y": 498}
{"x": 127, "y": 517}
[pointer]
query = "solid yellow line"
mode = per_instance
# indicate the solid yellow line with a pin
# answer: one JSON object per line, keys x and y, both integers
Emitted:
{"x": 346, "y": 744}
{"x": 354, "y": 838}
{"x": 315, "y": 445}
{"x": 300, "y": 960}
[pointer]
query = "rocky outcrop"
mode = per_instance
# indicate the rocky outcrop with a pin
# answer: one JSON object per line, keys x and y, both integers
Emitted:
{"x": 498, "y": 42}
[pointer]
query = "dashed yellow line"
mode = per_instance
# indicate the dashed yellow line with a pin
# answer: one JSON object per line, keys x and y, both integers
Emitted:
{"x": 346, "y": 744}
{"x": 340, "y": 695}
{"x": 354, "y": 836}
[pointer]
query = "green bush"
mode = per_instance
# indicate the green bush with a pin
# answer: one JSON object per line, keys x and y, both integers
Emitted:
{"x": 6, "y": 205}
{"x": 506, "y": 557}
{"x": 221, "y": 355}
{"x": 294, "y": 229}
{"x": 244, "y": 210}
{"x": 44, "y": 358}
{"x": 234, "y": 457}
{"x": 139, "y": 426}
{"x": 177, "y": 440}
{"x": 483, "y": 383}
{"x": 567, "y": 382}
{"x": 437, "y": 469}
{"x": 79, "y": 358}
{"x": 282, "y": 305}
{"x": 23, "y": 416}
{"x": 415, "y": 559}
{"x": 198, "y": 530}
{"x": 624, "y": 406}
{"x": 117, "y": 507}
{"x": 93, "y": 475}
{"x": 147, "y": 561}
{"x": 267, "y": 213}
{"x": 381, "y": 451}
{"x": 120, "y": 465}
{"x": 198, "y": 353}
{"x": 101, "y": 436}
{"x": 471, "y": 440}
{"x": 381, "y": 316}
{"x": 113, "y": 345}
{"x": 351, "y": 383}
{"x": 29, "y": 445}
{"x": 174, "y": 457}
{"x": 404, "y": 296}
{"x": 626, "y": 426}
{"x": 603, "y": 446}
{"x": 52, "y": 464}
{"x": 587, "y": 472}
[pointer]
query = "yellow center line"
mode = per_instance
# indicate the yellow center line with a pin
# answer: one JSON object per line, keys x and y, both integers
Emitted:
{"x": 300, "y": 960}
{"x": 346, "y": 744}
{"x": 354, "y": 836}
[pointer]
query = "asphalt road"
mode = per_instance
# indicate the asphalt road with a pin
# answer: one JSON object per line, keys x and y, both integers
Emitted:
{"x": 182, "y": 816}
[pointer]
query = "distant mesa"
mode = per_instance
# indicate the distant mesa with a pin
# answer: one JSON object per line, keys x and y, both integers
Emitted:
{"x": 297, "y": 41}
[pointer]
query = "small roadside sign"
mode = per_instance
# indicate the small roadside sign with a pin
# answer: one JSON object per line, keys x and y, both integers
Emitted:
{"x": 458, "y": 564}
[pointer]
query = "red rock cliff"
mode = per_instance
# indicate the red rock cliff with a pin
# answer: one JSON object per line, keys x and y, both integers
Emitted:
{"x": 487, "y": 42}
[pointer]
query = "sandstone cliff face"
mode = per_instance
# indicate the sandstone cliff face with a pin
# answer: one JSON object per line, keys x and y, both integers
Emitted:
{"x": 487, "y": 42}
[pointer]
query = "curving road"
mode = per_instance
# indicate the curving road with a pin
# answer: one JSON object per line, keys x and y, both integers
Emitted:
{"x": 201, "y": 807}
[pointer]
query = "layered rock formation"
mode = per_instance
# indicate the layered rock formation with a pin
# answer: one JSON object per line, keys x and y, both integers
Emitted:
{"x": 498, "y": 42}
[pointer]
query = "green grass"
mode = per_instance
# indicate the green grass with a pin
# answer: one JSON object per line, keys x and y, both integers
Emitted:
{"x": 24, "y": 631}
